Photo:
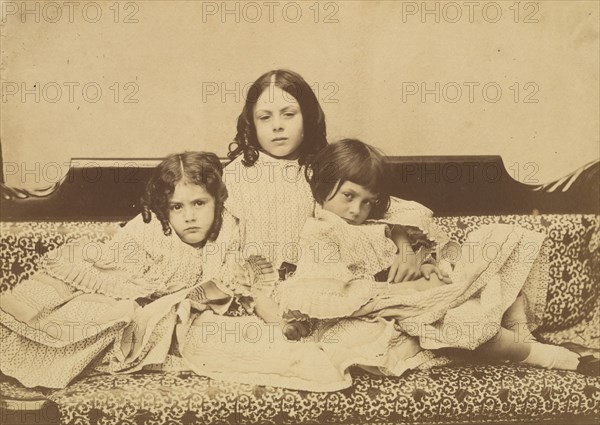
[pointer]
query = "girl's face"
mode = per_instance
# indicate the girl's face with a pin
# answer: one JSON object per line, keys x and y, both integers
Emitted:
{"x": 191, "y": 212}
{"x": 351, "y": 202}
{"x": 278, "y": 122}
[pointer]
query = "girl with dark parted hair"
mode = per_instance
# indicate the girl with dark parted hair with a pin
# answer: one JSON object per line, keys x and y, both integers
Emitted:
{"x": 280, "y": 128}
{"x": 248, "y": 143}
{"x": 483, "y": 302}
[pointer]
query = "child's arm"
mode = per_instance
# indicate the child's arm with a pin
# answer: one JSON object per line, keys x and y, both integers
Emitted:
{"x": 261, "y": 276}
{"x": 120, "y": 268}
{"x": 417, "y": 222}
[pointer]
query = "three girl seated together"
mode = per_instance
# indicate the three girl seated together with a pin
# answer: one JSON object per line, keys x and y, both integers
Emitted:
{"x": 281, "y": 133}
{"x": 304, "y": 234}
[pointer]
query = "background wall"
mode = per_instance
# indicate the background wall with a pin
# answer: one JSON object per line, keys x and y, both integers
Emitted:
{"x": 519, "y": 79}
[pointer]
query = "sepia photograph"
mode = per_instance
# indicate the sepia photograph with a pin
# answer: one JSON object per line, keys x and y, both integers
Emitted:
{"x": 299, "y": 212}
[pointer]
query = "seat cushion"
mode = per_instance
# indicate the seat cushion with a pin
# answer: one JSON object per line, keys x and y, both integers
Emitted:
{"x": 469, "y": 393}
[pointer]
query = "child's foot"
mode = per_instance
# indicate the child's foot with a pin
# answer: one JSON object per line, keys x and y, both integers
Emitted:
{"x": 582, "y": 350}
{"x": 552, "y": 357}
{"x": 589, "y": 365}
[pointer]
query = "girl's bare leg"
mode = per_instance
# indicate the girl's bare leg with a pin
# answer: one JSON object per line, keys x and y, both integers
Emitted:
{"x": 509, "y": 345}
{"x": 516, "y": 320}
{"x": 505, "y": 345}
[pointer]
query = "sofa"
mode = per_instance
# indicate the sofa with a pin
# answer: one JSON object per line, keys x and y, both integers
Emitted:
{"x": 465, "y": 192}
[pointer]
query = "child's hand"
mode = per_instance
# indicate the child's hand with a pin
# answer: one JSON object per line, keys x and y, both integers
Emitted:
{"x": 256, "y": 270}
{"x": 428, "y": 269}
{"x": 262, "y": 273}
{"x": 242, "y": 276}
{"x": 403, "y": 269}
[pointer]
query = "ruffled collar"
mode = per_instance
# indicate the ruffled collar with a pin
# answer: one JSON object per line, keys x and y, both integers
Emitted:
{"x": 264, "y": 157}
{"x": 328, "y": 216}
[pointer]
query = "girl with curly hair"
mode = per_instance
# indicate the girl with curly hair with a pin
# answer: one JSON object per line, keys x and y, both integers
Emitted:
{"x": 114, "y": 307}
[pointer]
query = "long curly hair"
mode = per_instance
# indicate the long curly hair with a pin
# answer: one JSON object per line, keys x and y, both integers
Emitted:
{"x": 354, "y": 161}
{"x": 315, "y": 133}
{"x": 200, "y": 168}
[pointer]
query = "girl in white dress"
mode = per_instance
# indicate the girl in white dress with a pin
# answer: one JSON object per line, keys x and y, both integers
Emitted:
{"x": 485, "y": 300}
{"x": 280, "y": 128}
{"x": 114, "y": 307}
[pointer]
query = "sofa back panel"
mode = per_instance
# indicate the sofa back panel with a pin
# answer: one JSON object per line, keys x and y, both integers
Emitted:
{"x": 448, "y": 185}
{"x": 574, "y": 253}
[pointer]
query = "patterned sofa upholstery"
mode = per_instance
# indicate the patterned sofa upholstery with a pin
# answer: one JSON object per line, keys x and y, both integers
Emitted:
{"x": 466, "y": 392}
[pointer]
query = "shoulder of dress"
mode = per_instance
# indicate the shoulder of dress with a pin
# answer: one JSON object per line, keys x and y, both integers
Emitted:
{"x": 232, "y": 173}
{"x": 137, "y": 225}
{"x": 149, "y": 235}
{"x": 229, "y": 225}
{"x": 237, "y": 160}
{"x": 403, "y": 204}
{"x": 325, "y": 221}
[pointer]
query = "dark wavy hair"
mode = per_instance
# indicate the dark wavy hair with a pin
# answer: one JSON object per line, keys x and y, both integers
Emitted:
{"x": 315, "y": 133}
{"x": 201, "y": 168}
{"x": 354, "y": 161}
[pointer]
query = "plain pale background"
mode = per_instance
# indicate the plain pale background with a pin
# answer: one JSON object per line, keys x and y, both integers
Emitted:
{"x": 177, "y": 56}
